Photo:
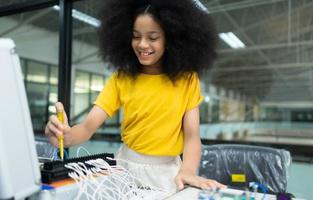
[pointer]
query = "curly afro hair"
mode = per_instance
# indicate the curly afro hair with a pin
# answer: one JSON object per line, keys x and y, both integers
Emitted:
{"x": 190, "y": 34}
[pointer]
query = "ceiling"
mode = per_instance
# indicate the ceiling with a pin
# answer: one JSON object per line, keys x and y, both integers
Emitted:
{"x": 274, "y": 66}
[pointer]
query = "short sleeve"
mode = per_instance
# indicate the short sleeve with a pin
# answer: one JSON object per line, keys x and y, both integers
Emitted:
{"x": 194, "y": 94}
{"x": 108, "y": 99}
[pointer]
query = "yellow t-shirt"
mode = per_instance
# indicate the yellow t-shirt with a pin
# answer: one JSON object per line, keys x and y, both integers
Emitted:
{"x": 153, "y": 109}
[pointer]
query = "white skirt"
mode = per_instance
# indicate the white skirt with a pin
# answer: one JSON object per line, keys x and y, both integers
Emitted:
{"x": 155, "y": 171}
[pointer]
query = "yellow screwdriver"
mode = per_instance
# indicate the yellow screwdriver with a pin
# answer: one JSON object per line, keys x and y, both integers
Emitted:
{"x": 61, "y": 138}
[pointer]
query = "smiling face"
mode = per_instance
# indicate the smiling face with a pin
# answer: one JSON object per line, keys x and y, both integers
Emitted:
{"x": 148, "y": 43}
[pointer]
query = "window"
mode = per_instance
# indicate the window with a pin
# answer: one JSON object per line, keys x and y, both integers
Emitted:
{"x": 81, "y": 93}
{"x": 37, "y": 72}
{"x": 42, "y": 95}
{"x": 37, "y": 45}
{"x": 261, "y": 84}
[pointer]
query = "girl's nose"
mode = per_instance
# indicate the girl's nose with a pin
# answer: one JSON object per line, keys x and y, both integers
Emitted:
{"x": 143, "y": 43}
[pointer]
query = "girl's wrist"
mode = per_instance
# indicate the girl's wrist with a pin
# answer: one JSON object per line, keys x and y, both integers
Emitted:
{"x": 187, "y": 169}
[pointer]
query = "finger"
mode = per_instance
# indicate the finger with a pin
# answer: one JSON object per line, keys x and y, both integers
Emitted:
{"x": 204, "y": 183}
{"x": 211, "y": 184}
{"x": 52, "y": 130}
{"x": 55, "y": 131}
{"x": 54, "y": 141}
{"x": 214, "y": 184}
{"x": 204, "y": 186}
{"x": 196, "y": 181}
{"x": 47, "y": 131}
{"x": 60, "y": 108}
{"x": 55, "y": 122}
{"x": 179, "y": 183}
{"x": 219, "y": 185}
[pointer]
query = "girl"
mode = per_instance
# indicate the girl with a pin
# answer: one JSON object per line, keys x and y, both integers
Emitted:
{"x": 158, "y": 48}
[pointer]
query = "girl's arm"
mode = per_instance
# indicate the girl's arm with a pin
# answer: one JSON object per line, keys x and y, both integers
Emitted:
{"x": 192, "y": 154}
{"x": 78, "y": 133}
{"x": 83, "y": 131}
{"x": 192, "y": 143}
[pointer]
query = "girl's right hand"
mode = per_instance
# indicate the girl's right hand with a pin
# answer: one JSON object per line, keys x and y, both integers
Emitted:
{"x": 55, "y": 128}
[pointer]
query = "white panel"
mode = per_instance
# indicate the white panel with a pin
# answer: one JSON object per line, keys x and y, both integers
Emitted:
{"x": 19, "y": 168}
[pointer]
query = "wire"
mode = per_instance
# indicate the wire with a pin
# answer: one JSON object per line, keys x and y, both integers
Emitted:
{"x": 81, "y": 148}
{"x": 260, "y": 186}
{"x": 55, "y": 154}
{"x": 117, "y": 184}
{"x": 97, "y": 180}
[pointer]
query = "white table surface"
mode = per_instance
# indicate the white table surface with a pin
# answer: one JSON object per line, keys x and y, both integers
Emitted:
{"x": 192, "y": 193}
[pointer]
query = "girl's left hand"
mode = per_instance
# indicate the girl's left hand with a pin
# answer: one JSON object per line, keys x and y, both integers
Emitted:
{"x": 188, "y": 177}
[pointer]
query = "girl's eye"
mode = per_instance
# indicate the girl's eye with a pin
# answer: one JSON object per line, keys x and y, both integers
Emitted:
{"x": 153, "y": 39}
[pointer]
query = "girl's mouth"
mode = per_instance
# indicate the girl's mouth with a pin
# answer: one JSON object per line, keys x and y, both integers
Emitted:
{"x": 145, "y": 53}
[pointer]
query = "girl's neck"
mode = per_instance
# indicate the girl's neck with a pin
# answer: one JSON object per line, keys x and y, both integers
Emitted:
{"x": 151, "y": 70}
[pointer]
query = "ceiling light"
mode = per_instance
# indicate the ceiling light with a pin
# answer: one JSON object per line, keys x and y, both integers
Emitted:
{"x": 232, "y": 40}
{"x": 201, "y": 6}
{"x": 82, "y": 17}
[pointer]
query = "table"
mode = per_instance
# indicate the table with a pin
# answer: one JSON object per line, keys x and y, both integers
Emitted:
{"x": 192, "y": 193}
{"x": 70, "y": 191}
